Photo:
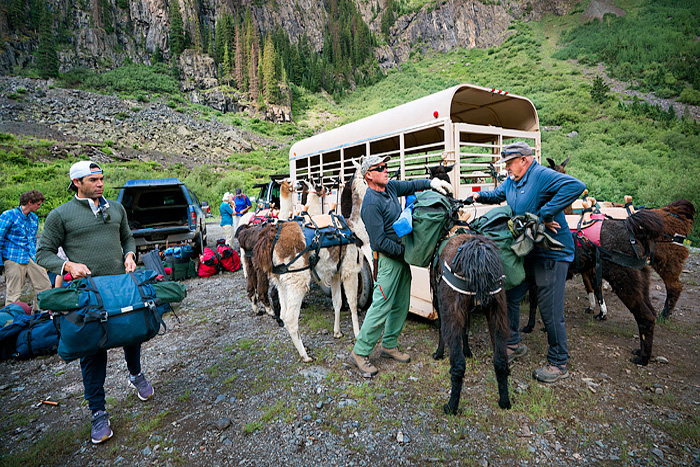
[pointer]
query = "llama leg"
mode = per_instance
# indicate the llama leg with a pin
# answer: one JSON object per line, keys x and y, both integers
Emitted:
{"x": 532, "y": 296}
{"x": 439, "y": 353}
{"x": 244, "y": 263}
{"x": 337, "y": 296}
{"x": 273, "y": 295}
{"x": 494, "y": 313}
{"x": 590, "y": 290}
{"x": 457, "y": 368}
{"x": 632, "y": 287}
{"x": 292, "y": 289}
{"x": 465, "y": 339}
{"x": 674, "y": 287}
{"x": 350, "y": 284}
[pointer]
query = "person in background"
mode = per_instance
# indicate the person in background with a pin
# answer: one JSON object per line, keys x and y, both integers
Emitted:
{"x": 531, "y": 187}
{"x": 226, "y": 211}
{"x": 95, "y": 235}
{"x": 242, "y": 205}
{"x": 392, "y": 288}
{"x": 18, "y": 232}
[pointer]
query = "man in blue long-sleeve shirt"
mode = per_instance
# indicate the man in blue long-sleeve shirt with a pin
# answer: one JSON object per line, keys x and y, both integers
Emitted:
{"x": 532, "y": 188}
{"x": 392, "y": 289}
{"x": 18, "y": 229}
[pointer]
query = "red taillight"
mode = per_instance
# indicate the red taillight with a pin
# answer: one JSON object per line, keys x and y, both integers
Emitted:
{"x": 193, "y": 216}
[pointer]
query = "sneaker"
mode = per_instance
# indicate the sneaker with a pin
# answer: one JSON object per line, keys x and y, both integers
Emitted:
{"x": 396, "y": 354}
{"x": 143, "y": 387}
{"x": 100, "y": 427}
{"x": 551, "y": 373}
{"x": 362, "y": 362}
{"x": 514, "y": 353}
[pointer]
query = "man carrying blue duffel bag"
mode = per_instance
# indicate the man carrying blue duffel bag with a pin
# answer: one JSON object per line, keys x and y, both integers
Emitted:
{"x": 95, "y": 236}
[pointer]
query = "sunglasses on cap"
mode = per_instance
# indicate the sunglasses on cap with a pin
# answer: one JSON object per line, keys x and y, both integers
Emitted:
{"x": 379, "y": 168}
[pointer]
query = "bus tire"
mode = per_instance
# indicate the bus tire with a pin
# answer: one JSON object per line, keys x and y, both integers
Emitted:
{"x": 365, "y": 286}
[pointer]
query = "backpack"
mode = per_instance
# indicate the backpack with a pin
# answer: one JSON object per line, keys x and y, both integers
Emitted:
{"x": 431, "y": 221}
{"x": 208, "y": 263}
{"x": 230, "y": 261}
{"x": 494, "y": 225}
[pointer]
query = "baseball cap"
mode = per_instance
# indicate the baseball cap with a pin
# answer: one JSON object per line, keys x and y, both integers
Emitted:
{"x": 370, "y": 161}
{"x": 514, "y": 150}
{"x": 238, "y": 191}
{"x": 82, "y": 169}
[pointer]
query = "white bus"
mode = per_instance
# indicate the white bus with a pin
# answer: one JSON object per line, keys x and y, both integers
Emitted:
{"x": 465, "y": 125}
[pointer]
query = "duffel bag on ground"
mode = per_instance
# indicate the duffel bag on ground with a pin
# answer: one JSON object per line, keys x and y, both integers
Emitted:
{"x": 39, "y": 338}
{"x": 230, "y": 261}
{"x": 179, "y": 271}
{"x": 113, "y": 311}
{"x": 208, "y": 263}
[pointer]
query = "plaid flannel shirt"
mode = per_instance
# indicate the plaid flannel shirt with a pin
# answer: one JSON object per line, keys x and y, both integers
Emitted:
{"x": 18, "y": 235}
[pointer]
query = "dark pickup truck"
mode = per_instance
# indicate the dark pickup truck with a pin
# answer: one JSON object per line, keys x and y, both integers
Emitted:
{"x": 163, "y": 212}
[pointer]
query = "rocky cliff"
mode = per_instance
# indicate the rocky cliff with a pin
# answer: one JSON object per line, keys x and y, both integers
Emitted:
{"x": 103, "y": 34}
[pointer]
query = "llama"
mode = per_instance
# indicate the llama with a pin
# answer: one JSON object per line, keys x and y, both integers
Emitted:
{"x": 257, "y": 286}
{"x": 286, "y": 199}
{"x": 282, "y": 254}
{"x": 629, "y": 281}
{"x": 474, "y": 260}
{"x": 312, "y": 196}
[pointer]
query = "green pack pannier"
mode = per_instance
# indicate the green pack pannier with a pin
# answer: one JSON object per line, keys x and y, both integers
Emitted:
{"x": 431, "y": 220}
{"x": 494, "y": 225}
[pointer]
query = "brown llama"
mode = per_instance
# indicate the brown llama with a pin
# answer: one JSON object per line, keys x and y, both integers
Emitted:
{"x": 283, "y": 255}
{"x": 258, "y": 285}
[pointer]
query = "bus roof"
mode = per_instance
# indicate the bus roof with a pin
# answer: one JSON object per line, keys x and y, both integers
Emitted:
{"x": 465, "y": 103}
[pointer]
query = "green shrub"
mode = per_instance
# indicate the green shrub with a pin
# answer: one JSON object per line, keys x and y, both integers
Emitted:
{"x": 14, "y": 96}
{"x": 121, "y": 116}
{"x": 172, "y": 104}
{"x": 690, "y": 96}
{"x": 6, "y": 137}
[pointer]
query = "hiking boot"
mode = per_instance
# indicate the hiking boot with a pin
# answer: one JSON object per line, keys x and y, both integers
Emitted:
{"x": 551, "y": 373}
{"x": 514, "y": 353}
{"x": 143, "y": 388}
{"x": 100, "y": 427}
{"x": 362, "y": 362}
{"x": 396, "y": 354}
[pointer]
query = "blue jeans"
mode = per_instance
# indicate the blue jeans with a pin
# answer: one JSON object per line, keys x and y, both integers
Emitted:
{"x": 550, "y": 278}
{"x": 94, "y": 369}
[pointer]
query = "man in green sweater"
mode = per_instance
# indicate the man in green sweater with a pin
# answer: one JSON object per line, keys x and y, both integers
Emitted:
{"x": 96, "y": 238}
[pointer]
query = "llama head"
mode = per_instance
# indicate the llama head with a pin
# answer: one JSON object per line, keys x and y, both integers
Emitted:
{"x": 440, "y": 172}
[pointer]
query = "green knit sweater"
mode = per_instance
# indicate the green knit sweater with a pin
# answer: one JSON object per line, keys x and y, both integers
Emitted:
{"x": 86, "y": 238}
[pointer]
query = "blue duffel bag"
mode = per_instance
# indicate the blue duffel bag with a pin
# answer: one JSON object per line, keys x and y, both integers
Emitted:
{"x": 112, "y": 311}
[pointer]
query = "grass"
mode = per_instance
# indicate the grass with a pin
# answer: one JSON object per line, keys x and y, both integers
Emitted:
{"x": 47, "y": 449}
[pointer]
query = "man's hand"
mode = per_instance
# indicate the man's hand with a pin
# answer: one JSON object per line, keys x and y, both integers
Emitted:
{"x": 469, "y": 201}
{"x": 129, "y": 263}
{"x": 553, "y": 226}
{"x": 441, "y": 186}
{"x": 76, "y": 270}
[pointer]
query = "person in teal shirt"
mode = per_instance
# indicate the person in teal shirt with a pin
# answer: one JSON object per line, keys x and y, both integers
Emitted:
{"x": 227, "y": 218}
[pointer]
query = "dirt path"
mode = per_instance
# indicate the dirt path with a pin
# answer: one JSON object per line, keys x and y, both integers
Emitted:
{"x": 231, "y": 390}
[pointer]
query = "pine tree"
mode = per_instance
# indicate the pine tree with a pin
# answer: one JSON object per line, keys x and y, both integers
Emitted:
{"x": 599, "y": 91}
{"x": 219, "y": 40}
{"x": 225, "y": 67}
{"x": 238, "y": 62}
{"x": 269, "y": 75}
{"x": 177, "y": 29}
{"x": 253, "y": 89}
{"x": 261, "y": 97}
{"x": 46, "y": 55}
{"x": 16, "y": 14}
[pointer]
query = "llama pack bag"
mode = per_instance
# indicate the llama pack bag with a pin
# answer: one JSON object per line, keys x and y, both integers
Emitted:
{"x": 431, "y": 220}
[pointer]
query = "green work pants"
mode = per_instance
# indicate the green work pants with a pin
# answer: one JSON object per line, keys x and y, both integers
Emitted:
{"x": 390, "y": 301}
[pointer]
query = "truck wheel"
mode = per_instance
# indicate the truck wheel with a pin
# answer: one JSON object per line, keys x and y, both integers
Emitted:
{"x": 199, "y": 244}
{"x": 365, "y": 286}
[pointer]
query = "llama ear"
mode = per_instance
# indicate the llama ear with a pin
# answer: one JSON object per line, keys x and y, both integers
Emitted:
{"x": 563, "y": 164}
{"x": 358, "y": 162}
{"x": 448, "y": 168}
{"x": 552, "y": 164}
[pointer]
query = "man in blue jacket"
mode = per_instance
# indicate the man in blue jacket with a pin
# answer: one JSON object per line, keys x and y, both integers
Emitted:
{"x": 531, "y": 187}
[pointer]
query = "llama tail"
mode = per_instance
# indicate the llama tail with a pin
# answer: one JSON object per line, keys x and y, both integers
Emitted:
{"x": 478, "y": 262}
{"x": 646, "y": 225}
{"x": 263, "y": 248}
